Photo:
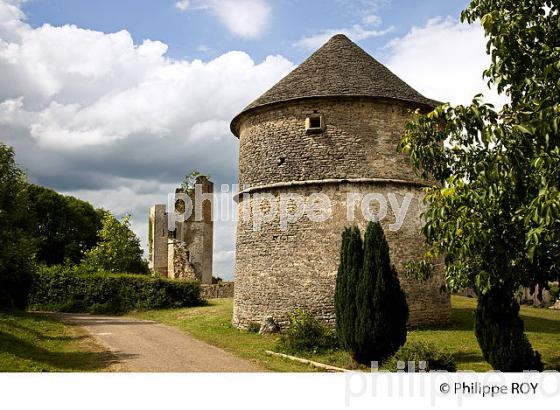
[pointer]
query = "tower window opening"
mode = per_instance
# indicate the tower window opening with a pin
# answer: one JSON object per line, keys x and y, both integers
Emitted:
{"x": 314, "y": 123}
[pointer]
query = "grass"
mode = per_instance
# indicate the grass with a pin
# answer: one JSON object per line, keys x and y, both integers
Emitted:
{"x": 212, "y": 323}
{"x": 31, "y": 342}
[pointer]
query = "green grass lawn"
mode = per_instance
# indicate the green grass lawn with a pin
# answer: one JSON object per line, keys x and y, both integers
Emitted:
{"x": 212, "y": 323}
{"x": 31, "y": 342}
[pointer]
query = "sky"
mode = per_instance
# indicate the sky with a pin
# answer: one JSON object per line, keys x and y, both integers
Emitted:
{"x": 115, "y": 101}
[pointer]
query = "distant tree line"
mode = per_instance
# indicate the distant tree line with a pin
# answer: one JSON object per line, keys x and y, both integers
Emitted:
{"x": 39, "y": 226}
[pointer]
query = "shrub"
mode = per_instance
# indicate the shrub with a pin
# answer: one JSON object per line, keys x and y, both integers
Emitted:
{"x": 500, "y": 333}
{"x": 381, "y": 303}
{"x": 370, "y": 305}
{"x": 65, "y": 289}
{"x": 421, "y": 352}
{"x": 253, "y": 327}
{"x": 306, "y": 334}
{"x": 349, "y": 272}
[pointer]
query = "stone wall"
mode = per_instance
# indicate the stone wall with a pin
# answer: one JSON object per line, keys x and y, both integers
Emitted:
{"x": 217, "y": 291}
{"x": 185, "y": 252}
{"x": 157, "y": 240}
{"x": 277, "y": 271}
{"x": 359, "y": 141}
{"x": 179, "y": 266}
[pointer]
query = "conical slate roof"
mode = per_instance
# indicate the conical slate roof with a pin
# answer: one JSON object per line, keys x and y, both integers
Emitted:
{"x": 338, "y": 69}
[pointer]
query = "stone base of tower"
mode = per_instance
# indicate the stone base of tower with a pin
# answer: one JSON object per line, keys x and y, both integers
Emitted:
{"x": 302, "y": 272}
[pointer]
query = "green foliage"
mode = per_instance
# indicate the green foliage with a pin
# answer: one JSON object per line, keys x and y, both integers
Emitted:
{"x": 381, "y": 303}
{"x": 16, "y": 249}
{"x": 63, "y": 227}
{"x": 347, "y": 278}
{"x": 495, "y": 214}
{"x": 189, "y": 181}
{"x": 253, "y": 327}
{"x": 417, "y": 352}
{"x": 370, "y": 304}
{"x": 306, "y": 334}
{"x": 66, "y": 289}
{"x": 500, "y": 334}
{"x": 118, "y": 249}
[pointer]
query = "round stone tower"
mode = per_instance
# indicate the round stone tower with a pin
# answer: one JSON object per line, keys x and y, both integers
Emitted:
{"x": 317, "y": 153}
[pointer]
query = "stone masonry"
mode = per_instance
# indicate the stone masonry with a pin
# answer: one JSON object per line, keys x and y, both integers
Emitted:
{"x": 184, "y": 252}
{"x": 359, "y": 109}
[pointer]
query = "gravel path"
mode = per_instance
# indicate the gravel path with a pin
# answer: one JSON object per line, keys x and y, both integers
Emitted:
{"x": 145, "y": 346}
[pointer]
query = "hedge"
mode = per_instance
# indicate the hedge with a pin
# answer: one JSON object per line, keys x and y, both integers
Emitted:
{"x": 67, "y": 290}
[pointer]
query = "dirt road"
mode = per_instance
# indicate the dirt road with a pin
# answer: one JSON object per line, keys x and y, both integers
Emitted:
{"x": 145, "y": 346}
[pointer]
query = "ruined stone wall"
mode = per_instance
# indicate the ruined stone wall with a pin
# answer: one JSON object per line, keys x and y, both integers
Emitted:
{"x": 217, "y": 290}
{"x": 185, "y": 252}
{"x": 178, "y": 263}
{"x": 278, "y": 271}
{"x": 157, "y": 240}
{"x": 198, "y": 233}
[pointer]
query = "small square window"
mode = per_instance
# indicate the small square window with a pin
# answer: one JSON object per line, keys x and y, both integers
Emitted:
{"x": 314, "y": 123}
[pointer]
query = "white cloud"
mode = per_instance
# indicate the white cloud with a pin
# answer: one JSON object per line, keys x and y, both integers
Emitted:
{"x": 365, "y": 10}
{"x": 372, "y": 19}
{"x": 182, "y": 5}
{"x": 356, "y": 33}
{"x": 119, "y": 123}
{"x": 443, "y": 60}
{"x": 118, "y": 89}
{"x": 244, "y": 18}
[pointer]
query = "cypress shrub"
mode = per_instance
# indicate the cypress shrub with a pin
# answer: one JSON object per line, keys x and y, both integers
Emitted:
{"x": 500, "y": 333}
{"x": 67, "y": 290}
{"x": 381, "y": 303}
{"x": 349, "y": 272}
{"x": 371, "y": 307}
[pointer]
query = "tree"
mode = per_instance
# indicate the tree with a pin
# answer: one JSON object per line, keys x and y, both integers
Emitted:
{"x": 371, "y": 309}
{"x": 63, "y": 227}
{"x": 118, "y": 250}
{"x": 16, "y": 249}
{"x": 381, "y": 303}
{"x": 495, "y": 215}
{"x": 349, "y": 272}
{"x": 504, "y": 347}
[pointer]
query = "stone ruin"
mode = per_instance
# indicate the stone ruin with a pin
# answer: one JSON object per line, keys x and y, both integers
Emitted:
{"x": 181, "y": 248}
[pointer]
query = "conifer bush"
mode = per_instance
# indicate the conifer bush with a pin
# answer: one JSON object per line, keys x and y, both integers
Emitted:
{"x": 500, "y": 333}
{"x": 349, "y": 272}
{"x": 370, "y": 305}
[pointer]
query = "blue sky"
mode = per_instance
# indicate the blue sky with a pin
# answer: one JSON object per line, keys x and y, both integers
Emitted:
{"x": 197, "y": 33}
{"x": 115, "y": 101}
